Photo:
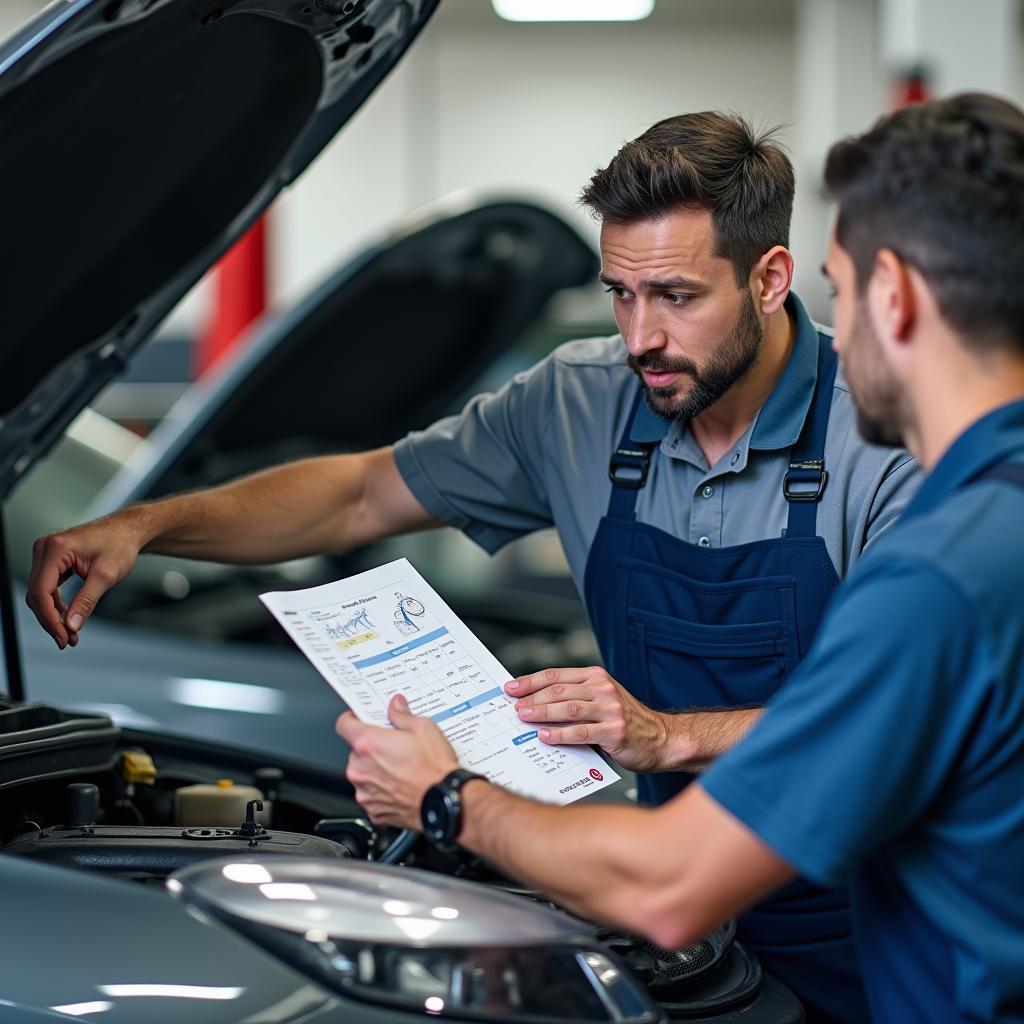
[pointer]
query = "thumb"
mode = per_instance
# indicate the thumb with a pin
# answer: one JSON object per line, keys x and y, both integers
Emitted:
{"x": 398, "y": 712}
{"x": 96, "y": 584}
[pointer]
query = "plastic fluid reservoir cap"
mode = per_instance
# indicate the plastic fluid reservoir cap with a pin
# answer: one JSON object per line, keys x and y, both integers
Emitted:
{"x": 225, "y": 783}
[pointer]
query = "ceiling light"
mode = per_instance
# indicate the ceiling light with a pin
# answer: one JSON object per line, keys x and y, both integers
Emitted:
{"x": 573, "y": 10}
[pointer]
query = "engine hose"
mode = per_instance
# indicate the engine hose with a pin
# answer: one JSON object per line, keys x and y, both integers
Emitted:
{"x": 399, "y": 846}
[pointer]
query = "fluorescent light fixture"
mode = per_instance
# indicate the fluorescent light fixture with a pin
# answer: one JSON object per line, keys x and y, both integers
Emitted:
{"x": 172, "y": 991}
{"x": 80, "y": 1009}
{"x": 573, "y": 10}
{"x": 225, "y": 696}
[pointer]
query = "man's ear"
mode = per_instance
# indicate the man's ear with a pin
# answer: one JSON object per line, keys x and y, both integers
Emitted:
{"x": 891, "y": 299}
{"x": 771, "y": 279}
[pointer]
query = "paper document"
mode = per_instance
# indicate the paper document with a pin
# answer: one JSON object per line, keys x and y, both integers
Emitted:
{"x": 386, "y": 631}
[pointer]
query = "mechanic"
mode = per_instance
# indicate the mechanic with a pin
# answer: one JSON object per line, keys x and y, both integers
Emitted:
{"x": 740, "y": 491}
{"x": 894, "y": 756}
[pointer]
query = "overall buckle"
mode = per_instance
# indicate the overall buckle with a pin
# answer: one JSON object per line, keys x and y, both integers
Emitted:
{"x": 805, "y": 480}
{"x": 628, "y": 467}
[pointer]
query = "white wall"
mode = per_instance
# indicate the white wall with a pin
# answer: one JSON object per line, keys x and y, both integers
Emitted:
{"x": 520, "y": 108}
{"x": 481, "y": 103}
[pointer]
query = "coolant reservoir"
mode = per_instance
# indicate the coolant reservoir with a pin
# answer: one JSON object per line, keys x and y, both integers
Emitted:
{"x": 222, "y": 803}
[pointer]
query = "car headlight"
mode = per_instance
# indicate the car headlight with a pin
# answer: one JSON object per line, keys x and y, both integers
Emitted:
{"x": 420, "y": 942}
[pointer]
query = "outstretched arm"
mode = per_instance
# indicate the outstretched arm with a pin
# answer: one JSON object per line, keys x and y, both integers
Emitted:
{"x": 330, "y": 503}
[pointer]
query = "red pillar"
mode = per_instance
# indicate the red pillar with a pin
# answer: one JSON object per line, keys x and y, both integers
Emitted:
{"x": 240, "y": 296}
{"x": 909, "y": 87}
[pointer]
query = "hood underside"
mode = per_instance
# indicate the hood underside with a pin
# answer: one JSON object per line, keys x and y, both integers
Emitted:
{"x": 140, "y": 139}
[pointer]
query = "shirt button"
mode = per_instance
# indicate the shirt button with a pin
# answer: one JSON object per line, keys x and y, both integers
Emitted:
{"x": 735, "y": 457}
{"x": 708, "y": 491}
{"x": 705, "y": 542}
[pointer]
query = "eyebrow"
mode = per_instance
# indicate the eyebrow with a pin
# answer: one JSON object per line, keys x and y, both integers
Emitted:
{"x": 664, "y": 284}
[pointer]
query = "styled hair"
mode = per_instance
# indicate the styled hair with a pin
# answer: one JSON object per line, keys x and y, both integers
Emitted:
{"x": 706, "y": 161}
{"x": 941, "y": 185}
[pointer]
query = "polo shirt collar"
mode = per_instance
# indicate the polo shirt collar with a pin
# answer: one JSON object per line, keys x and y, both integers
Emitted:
{"x": 993, "y": 438}
{"x": 781, "y": 418}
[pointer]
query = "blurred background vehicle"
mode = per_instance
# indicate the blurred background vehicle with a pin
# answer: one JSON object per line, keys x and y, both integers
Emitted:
{"x": 188, "y": 645}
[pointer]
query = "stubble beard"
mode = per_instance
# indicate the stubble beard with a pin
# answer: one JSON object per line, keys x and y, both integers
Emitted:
{"x": 728, "y": 364}
{"x": 882, "y": 416}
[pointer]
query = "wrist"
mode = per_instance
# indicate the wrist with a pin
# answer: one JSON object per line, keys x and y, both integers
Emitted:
{"x": 681, "y": 747}
{"x": 143, "y": 523}
{"x": 474, "y": 794}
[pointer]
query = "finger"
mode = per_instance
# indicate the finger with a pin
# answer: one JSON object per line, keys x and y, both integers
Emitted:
{"x": 570, "y": 735}
{"x": 399, "y": 714}
{"x": 43, "y": 584}
{"x": 348, "y": 727}
{"x": 558, "y": 693}
{"x": 561, "y": 711}
{"x": 524, "y": 685}
{"x": 98, "y": 581}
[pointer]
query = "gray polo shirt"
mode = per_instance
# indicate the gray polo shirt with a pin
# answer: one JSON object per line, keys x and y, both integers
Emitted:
{"x": 535, "y": 454}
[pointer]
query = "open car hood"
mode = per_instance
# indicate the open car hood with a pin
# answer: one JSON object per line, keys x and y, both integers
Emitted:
{"x": 140, "y": 139}
{"x": 386, "y": 344}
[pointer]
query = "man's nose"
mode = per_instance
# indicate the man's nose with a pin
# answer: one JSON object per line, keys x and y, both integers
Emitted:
{"x": 644, "y": 333}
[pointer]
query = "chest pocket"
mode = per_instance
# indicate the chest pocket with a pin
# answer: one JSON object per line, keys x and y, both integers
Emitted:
{"x": 693, "y": 643}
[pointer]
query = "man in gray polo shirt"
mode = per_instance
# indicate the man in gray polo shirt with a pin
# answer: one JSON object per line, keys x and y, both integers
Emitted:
{"x": 707, "y": 509}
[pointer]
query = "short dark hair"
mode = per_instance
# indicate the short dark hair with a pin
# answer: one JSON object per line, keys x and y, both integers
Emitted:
{"x": 708, "y": 161}
{"x": 941, "y": 184}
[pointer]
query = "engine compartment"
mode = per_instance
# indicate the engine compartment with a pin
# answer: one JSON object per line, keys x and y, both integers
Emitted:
{"x": 79, "y": 792}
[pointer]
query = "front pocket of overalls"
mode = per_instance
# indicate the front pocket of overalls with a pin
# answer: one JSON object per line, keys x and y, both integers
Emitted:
{"x": 679, "y": 664}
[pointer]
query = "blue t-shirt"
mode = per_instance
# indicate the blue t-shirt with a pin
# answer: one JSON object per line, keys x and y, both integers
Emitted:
{"x": 894, "y": 757}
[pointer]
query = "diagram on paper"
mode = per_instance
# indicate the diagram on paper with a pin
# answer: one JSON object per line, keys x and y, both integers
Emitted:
{"x": 386, "y": 631}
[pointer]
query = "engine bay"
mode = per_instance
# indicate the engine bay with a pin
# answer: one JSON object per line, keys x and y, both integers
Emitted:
{"x": 78, "y": 792}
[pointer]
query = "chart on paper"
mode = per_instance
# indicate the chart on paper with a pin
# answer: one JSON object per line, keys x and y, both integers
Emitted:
{"x": 387, "y": 631}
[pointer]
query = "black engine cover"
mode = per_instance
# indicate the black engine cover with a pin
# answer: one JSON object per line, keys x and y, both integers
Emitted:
{"x": 145, "y": 852}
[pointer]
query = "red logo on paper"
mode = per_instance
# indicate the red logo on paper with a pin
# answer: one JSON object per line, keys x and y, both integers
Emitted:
{"x": 595, "y": 774}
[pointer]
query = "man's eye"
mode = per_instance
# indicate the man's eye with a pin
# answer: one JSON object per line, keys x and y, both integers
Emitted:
{"x": 617, "y": 291}
{"x": 676, "y": 299}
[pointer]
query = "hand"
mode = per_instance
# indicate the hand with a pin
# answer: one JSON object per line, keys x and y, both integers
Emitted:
{"x": 391, "y": 769}
{"x": 102, "y": 553}
{"x": 600, "y": 710}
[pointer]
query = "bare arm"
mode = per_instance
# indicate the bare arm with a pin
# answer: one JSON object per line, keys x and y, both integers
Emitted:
{"x": 330, "y": 503}
{"x": 671, "y": 873}
{"x": 586, "y": 705}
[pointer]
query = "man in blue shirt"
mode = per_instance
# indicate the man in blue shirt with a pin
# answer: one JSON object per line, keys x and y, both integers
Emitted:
{"x": 893, "y": 759}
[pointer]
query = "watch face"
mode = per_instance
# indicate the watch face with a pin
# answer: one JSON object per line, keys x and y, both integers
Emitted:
{"x": 436, "y": 815}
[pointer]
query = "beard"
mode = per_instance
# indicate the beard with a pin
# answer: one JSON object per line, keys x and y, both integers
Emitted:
{"x": 882, "y": 416}
{"x": 729, "y": 363}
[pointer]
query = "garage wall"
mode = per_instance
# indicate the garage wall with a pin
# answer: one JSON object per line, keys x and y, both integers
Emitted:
{"x": 520, "y": 108}
{"x": 483, "y": 104}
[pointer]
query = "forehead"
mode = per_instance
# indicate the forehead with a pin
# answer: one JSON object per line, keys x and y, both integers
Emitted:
{"x": 683, "y": 240}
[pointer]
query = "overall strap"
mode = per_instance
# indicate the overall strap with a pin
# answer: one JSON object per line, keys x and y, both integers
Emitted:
{"x": 628, "y": 466}
{"x": 807, "y": 476}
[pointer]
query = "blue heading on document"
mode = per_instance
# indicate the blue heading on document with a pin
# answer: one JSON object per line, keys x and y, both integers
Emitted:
{"x": 457, "y": 709}
{"x": 397, "y": 652}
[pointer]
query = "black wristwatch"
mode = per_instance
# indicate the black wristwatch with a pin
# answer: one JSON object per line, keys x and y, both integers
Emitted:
{"x": 441, "y": 810}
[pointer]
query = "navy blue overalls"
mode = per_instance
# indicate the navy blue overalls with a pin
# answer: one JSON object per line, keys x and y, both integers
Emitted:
{"x": 684, "y": 626}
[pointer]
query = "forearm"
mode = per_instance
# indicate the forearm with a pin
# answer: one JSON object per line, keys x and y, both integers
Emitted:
{"x": 594, "y": 860}
{"x": 331, "y": 503}
{"x": 696, "y": 738}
